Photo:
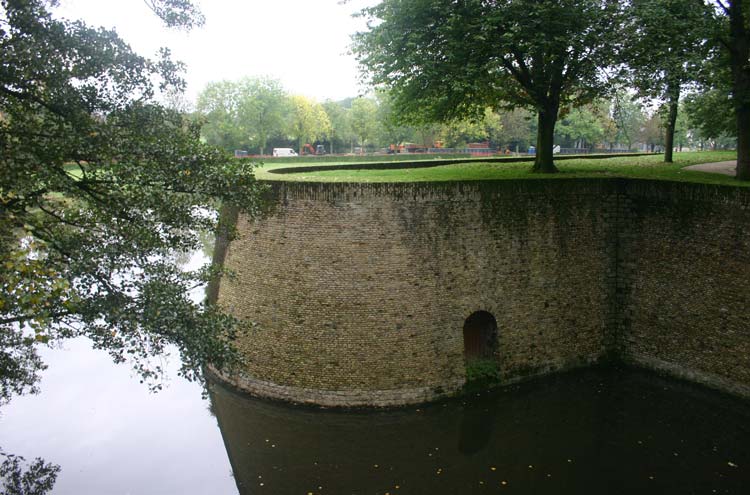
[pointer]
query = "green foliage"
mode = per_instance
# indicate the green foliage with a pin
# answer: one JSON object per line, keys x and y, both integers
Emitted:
{"x": 458, "y": 133}
{"x": 177, "y": 13}
{"x": 628, "y": 117}
{"x": 364, "y": 119}
{"x": 666, "y": 42}
{"x": 485, "y": 371}
{"x": 99, "y": 187}
{"x": 582, "y": 126}
{"x": 219, "y": 104}
{"x": 447, "y": 60}
{"x": 712, "y": 110}
{"x": 262, "y": 108}
{"x": 243, "y": 114}
{"x": 18, "y": 478}
{"x": 340, "y": 134}
{"x": 308, "y": 120}
{"x": 517, "y": 129}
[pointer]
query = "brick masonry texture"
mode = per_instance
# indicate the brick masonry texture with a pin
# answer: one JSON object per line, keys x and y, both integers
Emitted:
{"x": 685, "y": 281}
{"x": 356, "y": 294}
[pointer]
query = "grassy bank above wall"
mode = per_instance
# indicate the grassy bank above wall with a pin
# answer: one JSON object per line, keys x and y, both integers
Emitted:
{"x": 646, "y": 167}
{"x": 272, "y": 161}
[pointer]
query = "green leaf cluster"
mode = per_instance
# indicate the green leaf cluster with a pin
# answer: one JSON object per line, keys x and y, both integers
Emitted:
{"x": 99, "y": 186}
{"x": 485, "y": 371}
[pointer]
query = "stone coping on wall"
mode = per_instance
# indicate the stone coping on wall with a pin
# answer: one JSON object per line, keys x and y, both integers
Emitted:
{"x": 710, "y": 380}
{"x": 337, "y": 398}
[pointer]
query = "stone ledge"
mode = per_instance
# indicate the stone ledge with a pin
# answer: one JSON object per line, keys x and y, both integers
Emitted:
{"x": 711, "y": 380}
{"x": 337, "y": 398}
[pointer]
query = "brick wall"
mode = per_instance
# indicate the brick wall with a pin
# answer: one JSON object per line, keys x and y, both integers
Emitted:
{"x": 685, "y": 278}
{"x": 356, "y": 294}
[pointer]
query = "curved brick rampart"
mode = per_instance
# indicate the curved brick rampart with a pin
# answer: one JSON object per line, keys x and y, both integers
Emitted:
{"x": 356, "y": 294}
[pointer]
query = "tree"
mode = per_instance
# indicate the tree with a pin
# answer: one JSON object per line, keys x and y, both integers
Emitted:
{"x": 666, "y": 41}
{"x": 390, "y": 130}
{"x": 583, "y": 127}
{"x": 628, "y": 116}
{"x": 736, "y": 42}
{"x": 245, "y": 112}
{"x": 711, "y": 112}
{"x": 339, "y": 116}
{"x": 21, "y": 478}
{"x": 364, "y": 119}
{"x": 445, "y": 59}
{"x": 460, "y": 132}
{"x": 652, "y": 132}
{"x": 100, "y": 185}
{"x": 219, "y": 103}
{"x": 308, "y": 121}
{"x": 262, "y": 106}
{"x": 517, "y": 129}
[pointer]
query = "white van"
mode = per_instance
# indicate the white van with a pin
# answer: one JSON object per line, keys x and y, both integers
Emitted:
{"x": 284, "y": 152}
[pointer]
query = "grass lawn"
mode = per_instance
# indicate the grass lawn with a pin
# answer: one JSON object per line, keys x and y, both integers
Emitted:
{"x": 645, "y": 167}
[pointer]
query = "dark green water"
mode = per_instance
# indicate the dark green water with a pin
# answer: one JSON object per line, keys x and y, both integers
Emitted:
{"x": 598, "y": 431}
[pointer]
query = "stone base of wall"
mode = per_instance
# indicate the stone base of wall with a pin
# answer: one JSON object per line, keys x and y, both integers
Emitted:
{"x": 336, "y": 398}
{"x": 684, "y": 373}
{"x": 380, "y": 398}
{"x": 550, "y": 368}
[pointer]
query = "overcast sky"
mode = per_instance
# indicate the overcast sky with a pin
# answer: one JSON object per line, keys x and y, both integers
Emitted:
{"x": 303, "y": 43}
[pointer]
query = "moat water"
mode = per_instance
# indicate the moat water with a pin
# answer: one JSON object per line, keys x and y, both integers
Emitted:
{"x": 584, "y": 432}
{"x": 595, "y": 431}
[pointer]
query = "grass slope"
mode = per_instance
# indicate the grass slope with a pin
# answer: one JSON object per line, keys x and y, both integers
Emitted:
{"x": 645, "y": 167}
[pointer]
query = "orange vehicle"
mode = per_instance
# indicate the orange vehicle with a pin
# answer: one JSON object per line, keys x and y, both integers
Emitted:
{"x": 307, "y": 149}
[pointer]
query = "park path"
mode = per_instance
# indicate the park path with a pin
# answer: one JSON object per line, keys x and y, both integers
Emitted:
{"x": 726, "y": 168}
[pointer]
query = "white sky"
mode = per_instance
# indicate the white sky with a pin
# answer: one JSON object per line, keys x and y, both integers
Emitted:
{"x": 303, "y": 43}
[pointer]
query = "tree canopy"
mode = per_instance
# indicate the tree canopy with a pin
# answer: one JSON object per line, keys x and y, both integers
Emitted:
{"x": 444, "y": 59}
{"x": 100, "y": 186}
{"x": 666, "y": 42}
{"x": 244, "y": 113}
{"x": 307, "y": 120}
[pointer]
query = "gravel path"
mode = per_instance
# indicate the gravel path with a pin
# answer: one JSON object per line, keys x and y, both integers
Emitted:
{"x": 726, "y": 168}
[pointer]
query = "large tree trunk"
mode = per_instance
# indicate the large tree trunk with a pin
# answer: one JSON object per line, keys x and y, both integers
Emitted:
{"x": 545, "y": 140}
{"x": 738, "y": 53}
{"x": 673, "y": 99}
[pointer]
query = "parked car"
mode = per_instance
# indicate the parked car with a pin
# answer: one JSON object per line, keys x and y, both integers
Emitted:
{"x": 284, "y": 152}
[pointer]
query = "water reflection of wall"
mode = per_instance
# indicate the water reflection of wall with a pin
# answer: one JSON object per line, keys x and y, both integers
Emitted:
{"x": 593, "y": 431}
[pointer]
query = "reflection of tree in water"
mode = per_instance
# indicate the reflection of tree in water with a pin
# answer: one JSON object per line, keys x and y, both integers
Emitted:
{"x": 207, "y": 243}
{"x": 21, "y": 478}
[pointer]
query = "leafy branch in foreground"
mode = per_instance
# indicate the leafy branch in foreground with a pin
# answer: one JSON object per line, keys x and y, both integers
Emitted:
{"x": 99, "y": 186}
{"x": 21, "y": 478}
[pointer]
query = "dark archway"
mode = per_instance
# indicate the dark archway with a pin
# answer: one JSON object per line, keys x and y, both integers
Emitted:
{"x": 480, "y": 336}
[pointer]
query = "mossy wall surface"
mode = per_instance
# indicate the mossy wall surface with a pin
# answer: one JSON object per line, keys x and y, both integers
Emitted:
{"x": 356, "y": 294}
{"x": 685, "y": 281}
